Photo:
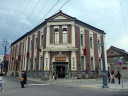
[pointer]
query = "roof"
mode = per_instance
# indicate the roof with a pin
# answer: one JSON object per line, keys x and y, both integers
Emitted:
{"x": 60, "y": 13}
{"x": 118, "y": 50}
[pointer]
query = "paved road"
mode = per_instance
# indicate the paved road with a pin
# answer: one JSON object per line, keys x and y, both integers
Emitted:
{"x": 12, "y": 88}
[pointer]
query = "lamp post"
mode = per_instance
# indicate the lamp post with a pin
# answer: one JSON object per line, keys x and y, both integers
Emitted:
{"x": 105, "y": 83}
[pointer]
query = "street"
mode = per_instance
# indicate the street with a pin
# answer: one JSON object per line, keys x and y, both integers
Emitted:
{"x": 12, "y": 88}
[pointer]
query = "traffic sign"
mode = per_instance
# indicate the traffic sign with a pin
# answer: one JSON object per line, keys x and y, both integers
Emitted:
{"x": 120, "y": 63}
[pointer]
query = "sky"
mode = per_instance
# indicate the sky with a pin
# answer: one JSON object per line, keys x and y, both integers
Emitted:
{"x": 20, "y": 16}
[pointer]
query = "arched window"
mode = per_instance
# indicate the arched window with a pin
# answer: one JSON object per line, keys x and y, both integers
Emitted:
{"x": 64, "y": 35}
{"x": 56, "y": 36}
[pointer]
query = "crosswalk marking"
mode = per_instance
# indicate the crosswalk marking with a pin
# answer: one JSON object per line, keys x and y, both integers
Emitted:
{"x": 37, "y": 84}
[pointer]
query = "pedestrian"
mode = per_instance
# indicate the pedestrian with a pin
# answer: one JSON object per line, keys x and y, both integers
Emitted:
{"x": 1, "y": 83}
{"x": 113, "y": 79}
{"x": 61, "y": 73}
{"x": 53, "y": 74}
{"x": 118, "y": 76}
{"x": 109, "y": 77}
{"x": 25, "y": 78}
{"x": 22, "y": 79}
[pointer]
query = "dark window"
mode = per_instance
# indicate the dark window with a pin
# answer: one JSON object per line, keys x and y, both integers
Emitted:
{"x": 41, "y": 40}
{"x": 81, "y": 39}
{"x": 91, "y": 42}
{"x": 82, "y": 63}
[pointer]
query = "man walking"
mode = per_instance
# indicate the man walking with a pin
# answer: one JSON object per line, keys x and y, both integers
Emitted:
{"x": 118, "y": 76}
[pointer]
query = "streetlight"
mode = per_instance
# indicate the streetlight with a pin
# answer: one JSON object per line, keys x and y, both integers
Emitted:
{"x": 105, "y": 83}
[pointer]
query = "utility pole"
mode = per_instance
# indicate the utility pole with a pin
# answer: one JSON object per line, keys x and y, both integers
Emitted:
{"x": 4, "y": 43}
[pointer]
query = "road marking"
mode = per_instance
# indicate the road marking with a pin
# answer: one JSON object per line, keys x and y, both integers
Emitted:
{"x": 111, "y": 90}
{"x": 90, "y": 86}
{"x": 37, "y": 84}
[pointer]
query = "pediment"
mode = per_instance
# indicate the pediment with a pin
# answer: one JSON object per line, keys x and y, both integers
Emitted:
{"x": 60, "y": 16}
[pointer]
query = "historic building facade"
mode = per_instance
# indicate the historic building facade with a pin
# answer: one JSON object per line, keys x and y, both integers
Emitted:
{"x": 60, "y": 42}
{"x": 117, "y": 61}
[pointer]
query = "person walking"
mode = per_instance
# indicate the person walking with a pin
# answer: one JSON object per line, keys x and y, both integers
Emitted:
{"x": 109, "y": 77}
{"x": 22, "y": 79}
{"x": 113, "y": 79}
{"x": 1, "y": 83}
{"x": 118, "y": 76}
{"x": 25, "y": 78}
{"x": 61, "y": 73}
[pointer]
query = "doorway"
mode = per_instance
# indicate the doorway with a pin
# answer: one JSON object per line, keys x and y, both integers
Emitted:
{"x": 61, "y": 69}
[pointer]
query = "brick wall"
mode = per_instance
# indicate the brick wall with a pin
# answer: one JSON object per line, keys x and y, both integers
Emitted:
{"x": 28, "y": 51}
{"x": 38, "y": 52}
{"x": 69, "y": 28}
{"x": 77, "y": 43}
{"x": 87, "y": 44}
{"x": 51, "y": 34}
{"x": 32, "y": 52}
{"x": 96, "y": 57}
{"x": 60, "y": 34}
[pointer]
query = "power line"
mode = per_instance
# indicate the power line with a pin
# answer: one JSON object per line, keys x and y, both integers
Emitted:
{"x": 63, "y": 5}
{"x": 11, "y": 19}
{"x": 30, "y": 14}
{"x": 125, "y": 29}
{"x": 49, "y": 11}
{"x": 16, "y": 20}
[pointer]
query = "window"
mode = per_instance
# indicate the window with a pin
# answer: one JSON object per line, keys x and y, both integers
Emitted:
{"x": 41, "y": 40}
{"x": 36, "y": 44}
{"x": 92, "y": 64}
{"x": 56, "y": 36}
{"x": 99, "y": 44}
{"x": 100, "y": 63}
{"x": 30, "y": 64}
{"x": 31, "y": 44}
{"x": 81, "y": 39}
{"x": 91, "y": 42}
{"x": 82, "y": 63}
{"x": 35, "y": 64}
{"x": 64, "y": 35}
{"x": 41, "y": 63}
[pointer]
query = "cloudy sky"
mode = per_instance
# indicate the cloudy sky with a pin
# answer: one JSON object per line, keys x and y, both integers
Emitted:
{"x": 20, "y": 16}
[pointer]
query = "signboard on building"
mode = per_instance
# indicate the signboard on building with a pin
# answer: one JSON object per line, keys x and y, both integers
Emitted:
{"x": 60, "y": 58}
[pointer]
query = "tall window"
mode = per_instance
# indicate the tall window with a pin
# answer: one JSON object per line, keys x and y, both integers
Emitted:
{"x": 92, "y": 64}
{"x": 82, "y": 63}
{"x": 81, "y": 39}
{"x": 64, "y": 35}
{"x": 56, "y": 36}
{"x": 99, "y": 44}
{"x": 91, "y": 42}
{"x": 41, "y": 40}
{"x": 35, "y": 64}
{"x": 31, "y": 44}
{"x": 41, "y": 63}
{"x": 36, "y": 44}
{"x": 100, "y": 63}
{"x": 30, "y": 64}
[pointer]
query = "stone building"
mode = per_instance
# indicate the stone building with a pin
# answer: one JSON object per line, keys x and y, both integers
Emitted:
{"x": 60, "y": 42}
{"x": 117, "y": 61}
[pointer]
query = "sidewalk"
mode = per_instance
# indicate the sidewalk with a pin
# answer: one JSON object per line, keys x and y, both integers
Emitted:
{"x": 94, "y": 83}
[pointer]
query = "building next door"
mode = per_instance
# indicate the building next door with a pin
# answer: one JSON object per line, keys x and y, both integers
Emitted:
{"x": 61, "y": 67}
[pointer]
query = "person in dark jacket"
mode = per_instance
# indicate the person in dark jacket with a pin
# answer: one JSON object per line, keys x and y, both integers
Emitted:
{"x": 25, "y": 78}
{"x": 61, "y": 73}
{"x": 22, "y": 79}
{"x": 118, "y": 76}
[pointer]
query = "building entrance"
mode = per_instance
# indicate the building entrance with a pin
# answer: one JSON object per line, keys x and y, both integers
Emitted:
{"x": 61, "y": 69}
